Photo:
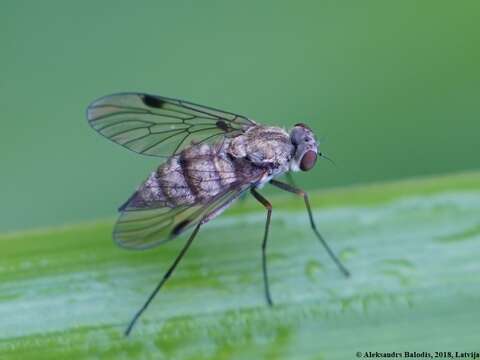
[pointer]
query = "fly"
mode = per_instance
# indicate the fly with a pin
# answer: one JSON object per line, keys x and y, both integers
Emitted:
{"x": 211, "y": 157}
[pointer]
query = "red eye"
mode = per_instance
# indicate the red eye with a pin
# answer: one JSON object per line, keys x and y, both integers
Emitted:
{"x": 308, "y": 160}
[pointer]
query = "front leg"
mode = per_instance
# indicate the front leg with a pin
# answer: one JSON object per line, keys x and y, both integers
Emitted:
{"x": 303, "y": 194}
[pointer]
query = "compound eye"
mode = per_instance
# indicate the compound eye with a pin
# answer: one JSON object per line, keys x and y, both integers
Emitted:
{"x": 308, "y": 160}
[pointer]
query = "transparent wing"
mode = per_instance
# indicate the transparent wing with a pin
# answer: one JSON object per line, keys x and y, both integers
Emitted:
{"x": 146, "y": 228}
{"x": 159, "y": 126}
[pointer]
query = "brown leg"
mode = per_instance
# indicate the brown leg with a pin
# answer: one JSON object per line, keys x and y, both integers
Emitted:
{"x": 290, "y": 179}
{"x": 163, "y": 281}
{"x": 303, "y": 194}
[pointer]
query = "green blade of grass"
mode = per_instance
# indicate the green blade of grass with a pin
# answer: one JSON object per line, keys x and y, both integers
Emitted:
{"x": 412, "y": 248}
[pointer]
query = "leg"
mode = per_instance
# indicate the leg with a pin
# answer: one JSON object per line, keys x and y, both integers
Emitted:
{"x": 163, "y": 281}
{"x": 290, "y": 180}
{"x": 268, "y": 206}
{"x": 291, "y": 189}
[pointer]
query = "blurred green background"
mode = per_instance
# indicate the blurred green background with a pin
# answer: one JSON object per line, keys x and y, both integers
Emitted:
{"x": 391, "y": 88}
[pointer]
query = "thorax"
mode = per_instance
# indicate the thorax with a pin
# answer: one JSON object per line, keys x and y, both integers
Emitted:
{"x": 269, "y": 148}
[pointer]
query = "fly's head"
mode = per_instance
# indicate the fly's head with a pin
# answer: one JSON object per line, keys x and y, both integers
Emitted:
{"x": 306, "y": 148}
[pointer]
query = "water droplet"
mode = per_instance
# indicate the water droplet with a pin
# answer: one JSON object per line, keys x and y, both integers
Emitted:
{"x": 400, "y": 263}
{"x": 347, "y": 253}
{"x": 403, "y": 279}
{"x": 313, "y": 268}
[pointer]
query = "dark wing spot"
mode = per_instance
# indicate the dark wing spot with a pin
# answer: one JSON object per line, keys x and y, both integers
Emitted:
{"x": 153, "y": 101}
{"x": 179, "y": 228}
{"x": 222, "y": 125}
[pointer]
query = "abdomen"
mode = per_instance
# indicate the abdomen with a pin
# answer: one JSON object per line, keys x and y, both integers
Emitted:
{"x": 196, "y": 175}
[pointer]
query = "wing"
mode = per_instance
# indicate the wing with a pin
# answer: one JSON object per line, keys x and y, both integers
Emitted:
{"x": 146, "y": 228}
{"x": 159, "y": 126}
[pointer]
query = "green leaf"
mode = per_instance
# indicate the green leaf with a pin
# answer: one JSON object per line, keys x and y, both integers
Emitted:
{"x": 412, "y": 248}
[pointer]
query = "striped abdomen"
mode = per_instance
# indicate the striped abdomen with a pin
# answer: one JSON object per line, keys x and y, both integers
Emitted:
{"x": 194, "y": 176}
